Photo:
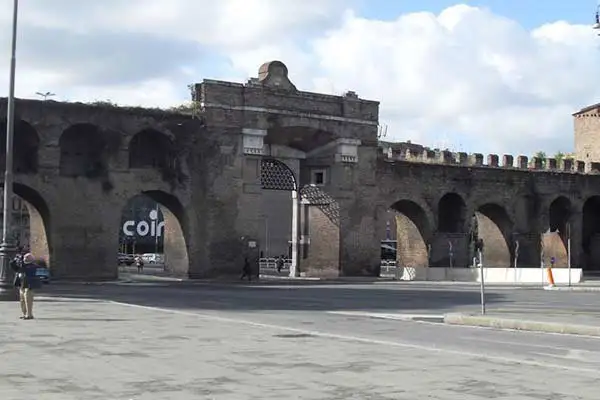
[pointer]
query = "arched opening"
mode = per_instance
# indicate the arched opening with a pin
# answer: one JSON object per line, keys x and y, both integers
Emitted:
{"x": 82, "y": 152}
{"x": 555, "y": 242}
{"x": 279, "y": 186}
{"x": 451, "y": 213}
{"x": 151, "y": 149}
{"x": 494, "y": 227}
{"x": 558, "y": 215}
{"x": 412, "y": 234}
{"x": 591, "y": 234}
{"x": 153, "y": 228}
{"x": 25, "y": 147}
{"x": 30, "y": 222}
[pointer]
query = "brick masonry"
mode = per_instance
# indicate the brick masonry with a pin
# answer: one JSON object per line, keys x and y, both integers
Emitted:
{"x": 210, "y": 185}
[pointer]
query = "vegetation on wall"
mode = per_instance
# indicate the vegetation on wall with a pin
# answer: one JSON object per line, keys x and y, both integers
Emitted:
{"x": 558, "y": 157}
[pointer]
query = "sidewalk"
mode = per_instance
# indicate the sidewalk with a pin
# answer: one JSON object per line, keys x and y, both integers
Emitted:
{"x": 587, "y": 324}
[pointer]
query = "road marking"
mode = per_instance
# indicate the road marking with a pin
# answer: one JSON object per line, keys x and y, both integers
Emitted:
{"x": 592, "y": 371}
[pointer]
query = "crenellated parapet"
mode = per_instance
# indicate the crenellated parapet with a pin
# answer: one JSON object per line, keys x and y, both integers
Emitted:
{"x": 419, "y": 154}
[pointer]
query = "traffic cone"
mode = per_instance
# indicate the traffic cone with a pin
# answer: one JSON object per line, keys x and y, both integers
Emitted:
{"x": 550, "y": 277}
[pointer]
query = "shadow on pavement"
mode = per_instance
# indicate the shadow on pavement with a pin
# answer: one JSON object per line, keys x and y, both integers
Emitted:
{"x": 303, "y": 297}
{"x": 84, "y": 319}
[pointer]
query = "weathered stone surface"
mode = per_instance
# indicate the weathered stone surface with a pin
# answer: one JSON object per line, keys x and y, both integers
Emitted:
{"x": 78, "y": 165}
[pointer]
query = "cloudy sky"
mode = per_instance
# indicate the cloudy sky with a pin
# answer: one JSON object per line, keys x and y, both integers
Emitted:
{"x": 488, "y": 76}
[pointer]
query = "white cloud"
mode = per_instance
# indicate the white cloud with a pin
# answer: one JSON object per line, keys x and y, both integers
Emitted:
{"x": 466, "y": 75}
{"x": 481, "y": 77}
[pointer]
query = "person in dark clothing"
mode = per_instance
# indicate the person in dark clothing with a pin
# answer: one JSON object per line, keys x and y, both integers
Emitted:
{"x": 139, "y": 262}
{"x": 280, "y": 264}
{"x": 246, "y": 270}
{"x": 26, "y": 281}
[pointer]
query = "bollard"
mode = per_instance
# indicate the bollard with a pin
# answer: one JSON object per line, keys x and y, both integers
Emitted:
{"x": 549, "y": 273}
{"x": 550, "y": 277}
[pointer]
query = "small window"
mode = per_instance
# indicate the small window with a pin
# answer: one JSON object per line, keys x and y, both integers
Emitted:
{"x": 318, "y": 177}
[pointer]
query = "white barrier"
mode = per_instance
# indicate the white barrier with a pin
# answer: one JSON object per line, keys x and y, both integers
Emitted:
{"x": 270, "y": 264}
{"x": 493, "y": 275}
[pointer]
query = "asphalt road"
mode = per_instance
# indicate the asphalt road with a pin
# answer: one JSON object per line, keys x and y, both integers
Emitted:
{"x": 295, "y": 340}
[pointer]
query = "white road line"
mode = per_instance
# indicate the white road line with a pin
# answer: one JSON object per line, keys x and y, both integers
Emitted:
{"x": 591, "y": 371}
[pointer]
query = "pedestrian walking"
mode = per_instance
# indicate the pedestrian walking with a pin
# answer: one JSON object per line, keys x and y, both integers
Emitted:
{"x": 246, "y": 270}
{"x": 27, "y": 282}
{"x": 139, "y": 262}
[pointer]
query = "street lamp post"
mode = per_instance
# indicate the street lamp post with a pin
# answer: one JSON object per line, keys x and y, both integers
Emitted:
{"x": 7, "y": 292}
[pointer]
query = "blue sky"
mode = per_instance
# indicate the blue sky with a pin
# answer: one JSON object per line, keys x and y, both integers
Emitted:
{"x": 530, "y": 13}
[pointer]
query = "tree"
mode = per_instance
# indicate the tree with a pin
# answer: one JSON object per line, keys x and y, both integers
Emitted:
{"x": 559, "y": 157}
{"x": 541, "y": 155}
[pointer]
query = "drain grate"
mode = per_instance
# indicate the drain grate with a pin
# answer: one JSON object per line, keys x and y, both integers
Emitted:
{"x": 293, "y": 335}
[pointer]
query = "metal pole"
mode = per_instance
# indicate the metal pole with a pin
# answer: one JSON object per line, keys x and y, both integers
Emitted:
{"x": 451, "y": 260}
{"x": 7, "y": 292}
{"x": 156, "y": 233}
{"x": 267, "y": 237}
{"x": 516, "y": 258}
{"x": 569, "y": 252}
{"x": 482, "y": 280}
{"x": 542, "y": 236}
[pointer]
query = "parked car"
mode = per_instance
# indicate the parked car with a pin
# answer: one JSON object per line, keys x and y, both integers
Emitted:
{"x": 153, "y": 258}
{"x": 43, "y": 274}
{"x": 127, "y": 259}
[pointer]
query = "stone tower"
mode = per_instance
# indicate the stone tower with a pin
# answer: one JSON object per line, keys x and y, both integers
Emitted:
{"x": 587, "y": 133}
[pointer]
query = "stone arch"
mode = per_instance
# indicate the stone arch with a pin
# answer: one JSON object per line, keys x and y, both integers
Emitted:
{"x": 277, "y": 212}
{"x": 590, "y": 238}
{"x": 494, "y": 226}
{"x": 413, "y": 234}
{"x": 559, "y": 213}
{"x": 83, "y": 152}
{"x": 555, "y": 242}
{"x": 451, "y": 213}
{"x": 25, "y": 147}
{"x": 150, "y": 148}
{"x": 39, "y": 223}
{"x": 155, "y": 221}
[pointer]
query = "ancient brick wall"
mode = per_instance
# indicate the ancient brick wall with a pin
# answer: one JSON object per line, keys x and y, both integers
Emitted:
{"x": 80, "y": 215}
{"x": 412, "y": 250}
{"x": 524, "y": 195}
{"x": 323, "y": 254}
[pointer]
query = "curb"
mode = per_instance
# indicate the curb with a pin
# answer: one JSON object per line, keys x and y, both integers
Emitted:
{"x": 521, "y": 325}
{"x": 573, "y": 288}
{"x": 397, "y": 317}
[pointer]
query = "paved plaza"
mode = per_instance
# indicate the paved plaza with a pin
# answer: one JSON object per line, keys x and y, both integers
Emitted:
{"x": 286, "y": 341}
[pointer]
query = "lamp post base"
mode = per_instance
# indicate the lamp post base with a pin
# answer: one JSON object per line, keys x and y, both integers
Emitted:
{"x": 7, "y": 290}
